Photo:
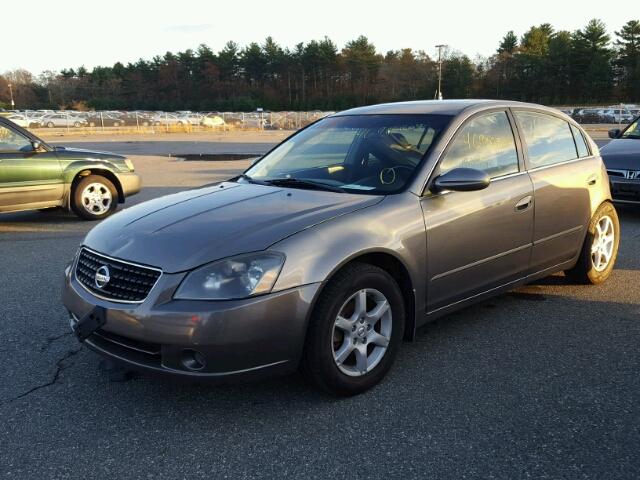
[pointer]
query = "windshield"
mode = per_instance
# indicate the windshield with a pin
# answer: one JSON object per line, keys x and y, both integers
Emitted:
{"x": 633, "y": 131}
{"x": 375, "y": 154}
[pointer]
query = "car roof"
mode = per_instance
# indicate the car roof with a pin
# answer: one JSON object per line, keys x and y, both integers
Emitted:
{"x": 442, "y": 107}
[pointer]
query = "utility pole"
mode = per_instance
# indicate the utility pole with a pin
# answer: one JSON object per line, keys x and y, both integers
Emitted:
{"x": 440, "y": 47}
{"x": 13, "y": 104}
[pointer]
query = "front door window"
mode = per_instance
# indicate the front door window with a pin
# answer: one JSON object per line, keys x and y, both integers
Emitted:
{"x": 11, "y": 141}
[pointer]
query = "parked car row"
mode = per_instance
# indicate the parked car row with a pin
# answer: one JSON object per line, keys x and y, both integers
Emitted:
{"x": 615, "y": 114}
{"x": 261, "y": 120}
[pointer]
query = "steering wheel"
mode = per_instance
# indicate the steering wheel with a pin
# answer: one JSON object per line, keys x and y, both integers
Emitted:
{"x": 388, "y": 175}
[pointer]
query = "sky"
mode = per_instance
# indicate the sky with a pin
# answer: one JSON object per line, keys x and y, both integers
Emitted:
{"x": 51, "y": 35}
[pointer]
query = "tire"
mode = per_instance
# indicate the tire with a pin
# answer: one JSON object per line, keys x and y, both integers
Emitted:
{"x": 590, "y": 268}
{"x": 76, "y": 124}
{"x": 94, "y": 212}
{"x": 50, "y": 125}
{"x": 325, "y": 340}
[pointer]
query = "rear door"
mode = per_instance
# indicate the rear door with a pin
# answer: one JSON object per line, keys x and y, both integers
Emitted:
{"x": 563, "y": 173}
{"x": 27, "y": 177}
{"x": 479, "y": 240}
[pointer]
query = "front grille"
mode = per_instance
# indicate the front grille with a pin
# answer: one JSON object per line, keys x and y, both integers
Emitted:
{"x": 149, "y": 348}
{"x": 628, "y": 174}
{"x": 127, "y": 282}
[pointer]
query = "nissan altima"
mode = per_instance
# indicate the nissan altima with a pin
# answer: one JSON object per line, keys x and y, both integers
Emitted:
{"x": 336, "y": 245}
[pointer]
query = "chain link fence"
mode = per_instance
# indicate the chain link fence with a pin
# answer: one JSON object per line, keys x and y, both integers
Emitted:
{"x": 187, "y": 121}
{"x": 151, "y": 122}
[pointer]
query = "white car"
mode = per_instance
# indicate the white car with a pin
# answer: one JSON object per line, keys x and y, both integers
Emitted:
{"x": 20, "y": 120}
{"x": 63, "y": 120}
{"x": 190, "y": 119}
{"x": 212, "y": 121}
{"x": 619, "y": 115}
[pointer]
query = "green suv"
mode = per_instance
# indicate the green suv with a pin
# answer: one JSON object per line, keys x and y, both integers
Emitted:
{"x": 34, "y": 175}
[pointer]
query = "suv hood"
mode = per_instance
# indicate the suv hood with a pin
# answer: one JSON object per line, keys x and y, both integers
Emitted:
{"x": 182, "y": 231}
{"x": 74, "y": 153}
{"x": 622, "y": 153}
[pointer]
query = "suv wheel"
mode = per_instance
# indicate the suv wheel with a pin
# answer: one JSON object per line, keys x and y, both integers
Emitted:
{"x": 355, "y": 330}
{"x": 94, "y": 198}
{"x": 600, "y": 248}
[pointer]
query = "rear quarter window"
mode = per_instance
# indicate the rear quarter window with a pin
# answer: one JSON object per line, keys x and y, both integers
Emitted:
{"x": 548, "y": 139}
{"x": 581, "y": 145}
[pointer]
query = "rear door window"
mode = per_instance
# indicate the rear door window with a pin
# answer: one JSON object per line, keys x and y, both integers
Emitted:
{"x": 549, "y": 139}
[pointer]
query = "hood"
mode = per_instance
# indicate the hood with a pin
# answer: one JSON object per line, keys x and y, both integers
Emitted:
{"x": 622, "y": 153}
{"x": 188, "y": 229}
{"x": 86, "y": 154}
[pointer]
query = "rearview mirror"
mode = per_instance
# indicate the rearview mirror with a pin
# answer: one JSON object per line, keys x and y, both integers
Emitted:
{"x": 614, "y": 133}
{"x": 461, "y": 180}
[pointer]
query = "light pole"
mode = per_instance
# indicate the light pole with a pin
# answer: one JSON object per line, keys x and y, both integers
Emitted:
{"x": 13, "y": 104}
{"x": 440, "y": 47}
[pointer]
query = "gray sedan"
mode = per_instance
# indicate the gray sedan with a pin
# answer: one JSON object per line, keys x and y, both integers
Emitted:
{"x": 336, "y": 245}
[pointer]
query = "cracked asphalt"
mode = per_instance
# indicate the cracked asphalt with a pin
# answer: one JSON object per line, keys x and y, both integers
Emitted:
{"x": 542, "y": 382}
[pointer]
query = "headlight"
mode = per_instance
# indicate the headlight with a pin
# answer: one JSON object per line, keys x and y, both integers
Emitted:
{"x": 129, "y": 164}
{"x": 232, "y": 278}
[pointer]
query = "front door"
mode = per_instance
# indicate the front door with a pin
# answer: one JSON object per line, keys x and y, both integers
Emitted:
{"x": 27, "y": 177}
{"x": 482, "y": 239}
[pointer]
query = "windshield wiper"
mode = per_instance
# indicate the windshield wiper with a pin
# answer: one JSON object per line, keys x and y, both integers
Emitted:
{"x": 249, "y": 179}
{"x": 302, "y": 183}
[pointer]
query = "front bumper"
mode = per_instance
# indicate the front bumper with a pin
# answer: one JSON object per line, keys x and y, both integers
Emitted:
{"x": 237, "y": 339}
{"x": 625, "y": 190}
{"x": 131, "y": 183}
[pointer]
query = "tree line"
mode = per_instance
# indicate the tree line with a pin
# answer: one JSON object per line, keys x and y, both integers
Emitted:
{"x": 587, "y": 66}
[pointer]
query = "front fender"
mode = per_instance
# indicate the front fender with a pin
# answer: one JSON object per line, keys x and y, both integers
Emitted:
{"x": 394, "y": 226}
{"x": 74, "y": 168}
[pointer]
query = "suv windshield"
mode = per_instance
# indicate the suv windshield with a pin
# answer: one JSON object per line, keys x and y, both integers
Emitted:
{"x": 375, "y": 154}
{"x": 633, "y": 131}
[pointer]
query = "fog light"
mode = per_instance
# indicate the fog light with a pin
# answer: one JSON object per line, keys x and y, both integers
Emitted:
{"x": 193, "y": 360}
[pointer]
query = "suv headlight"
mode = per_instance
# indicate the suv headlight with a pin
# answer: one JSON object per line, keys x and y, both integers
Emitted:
{"x": 232, "y": 278}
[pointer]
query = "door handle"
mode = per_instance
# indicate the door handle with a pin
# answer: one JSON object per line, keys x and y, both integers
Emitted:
{"x": 592, "y": 180}
{"x": 524, "y": 203}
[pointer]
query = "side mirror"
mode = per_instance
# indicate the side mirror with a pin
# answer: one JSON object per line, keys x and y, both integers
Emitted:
{"x": 614, "y": 133}
{"x": 461, "y": 180}
{"x": 36, "y": 145}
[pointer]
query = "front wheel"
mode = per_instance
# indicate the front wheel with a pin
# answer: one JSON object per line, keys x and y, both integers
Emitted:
{"x": 94, "y": 198}
{"x": 600, "y": 248}
{"x": 355, "y": 330}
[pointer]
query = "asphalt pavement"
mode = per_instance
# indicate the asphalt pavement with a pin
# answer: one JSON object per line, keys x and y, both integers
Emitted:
{"x": 542, "y": 382}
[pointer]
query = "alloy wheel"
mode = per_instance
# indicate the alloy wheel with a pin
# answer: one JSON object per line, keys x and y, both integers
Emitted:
{"x": 361, "y": 332}
{"x": 603, "y": 243}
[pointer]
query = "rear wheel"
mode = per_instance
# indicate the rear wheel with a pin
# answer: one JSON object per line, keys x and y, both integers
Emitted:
{"x": 355, "y": 330}
{"x": 94, "y": 198}
{"x": 50, "y": 125}
{"x": 600, "y": 248}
